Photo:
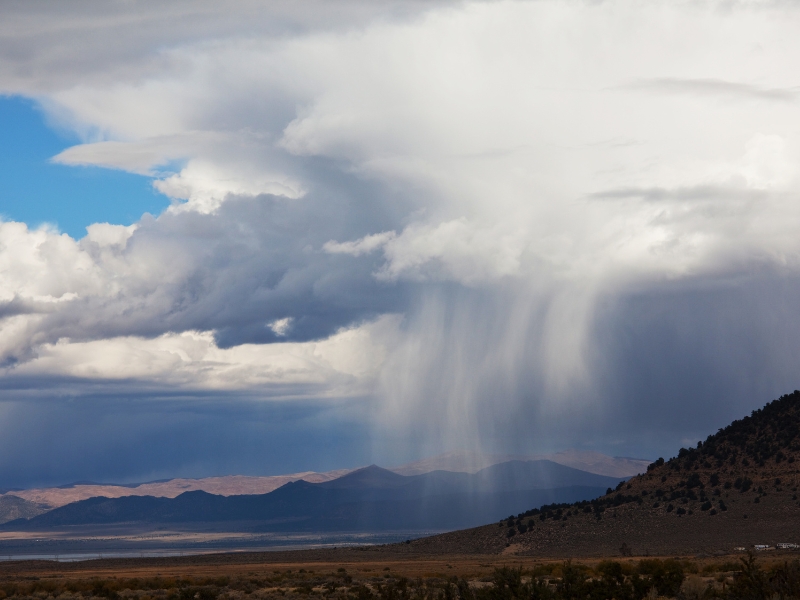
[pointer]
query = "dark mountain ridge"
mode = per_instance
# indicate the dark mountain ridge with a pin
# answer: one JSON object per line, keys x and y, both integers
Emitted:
{"x": 371, "y": 499}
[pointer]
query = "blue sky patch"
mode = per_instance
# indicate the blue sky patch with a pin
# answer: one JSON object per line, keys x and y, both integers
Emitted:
{"x": 36, "y": 191}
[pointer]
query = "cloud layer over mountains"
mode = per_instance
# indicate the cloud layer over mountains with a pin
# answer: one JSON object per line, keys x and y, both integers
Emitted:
{"x": 511, "y": 225}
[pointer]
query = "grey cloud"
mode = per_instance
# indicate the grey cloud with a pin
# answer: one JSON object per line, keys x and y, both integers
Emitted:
{"x": 713, "y": 88}
{"x": 254, "y": 261}
{"x": 17, "y": 306}
{"x": 684, "y": 194}
{"x": 91, "y": 43}
{"x": 688, "y": 359}
{"x": 16, "y": 387}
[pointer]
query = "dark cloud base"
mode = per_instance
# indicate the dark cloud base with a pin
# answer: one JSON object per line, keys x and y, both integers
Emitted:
{"x": 54, "y": 442}
{"x": 668, "y": 367}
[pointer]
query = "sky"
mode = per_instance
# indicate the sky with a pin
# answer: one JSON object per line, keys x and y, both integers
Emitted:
{"x": 37, "y": 191}
{"x": 265, "y": 238}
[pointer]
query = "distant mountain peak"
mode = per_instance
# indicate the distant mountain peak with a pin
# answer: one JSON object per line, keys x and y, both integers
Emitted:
{"x": 472, "y": 462}
{"x": 372, "y": 475}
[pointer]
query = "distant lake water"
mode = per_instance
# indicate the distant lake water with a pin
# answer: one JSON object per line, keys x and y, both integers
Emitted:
{"x": 76, "y": 548}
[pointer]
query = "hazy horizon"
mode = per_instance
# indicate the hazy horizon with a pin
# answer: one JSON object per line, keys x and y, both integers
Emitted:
{"x": 460, "y": 462}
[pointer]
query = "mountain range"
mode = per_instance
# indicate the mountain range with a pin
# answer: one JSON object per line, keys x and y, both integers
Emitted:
{"x": 43, "y": 499}
{"x": 368, "y": 499}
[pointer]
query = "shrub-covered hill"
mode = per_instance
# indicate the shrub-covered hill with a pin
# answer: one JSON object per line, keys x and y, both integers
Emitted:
{"x": 767, "y": 437}
{"x": 737, "y": 488}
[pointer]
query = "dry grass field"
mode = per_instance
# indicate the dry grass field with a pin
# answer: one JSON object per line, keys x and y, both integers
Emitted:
{"x": 371, "y": 572}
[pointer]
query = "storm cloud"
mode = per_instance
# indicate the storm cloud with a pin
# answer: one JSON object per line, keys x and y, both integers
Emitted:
{"x": 510, "y": 226}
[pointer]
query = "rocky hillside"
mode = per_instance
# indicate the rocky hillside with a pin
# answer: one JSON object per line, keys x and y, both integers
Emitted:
{"x": 737, "y": 488}
{"x": 13, "y": 507}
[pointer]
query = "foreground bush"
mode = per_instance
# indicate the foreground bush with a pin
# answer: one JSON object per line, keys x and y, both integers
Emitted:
{"x": 745, "y": 579}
